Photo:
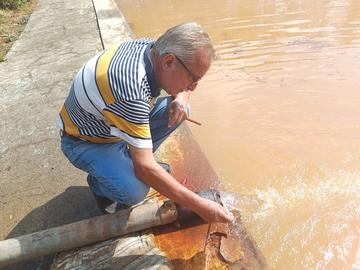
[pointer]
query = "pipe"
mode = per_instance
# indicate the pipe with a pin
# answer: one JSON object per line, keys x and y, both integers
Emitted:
{"x": 93, "y": 230}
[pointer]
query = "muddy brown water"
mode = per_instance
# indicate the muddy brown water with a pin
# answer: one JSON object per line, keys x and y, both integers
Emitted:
{"x": 280, "y": 111}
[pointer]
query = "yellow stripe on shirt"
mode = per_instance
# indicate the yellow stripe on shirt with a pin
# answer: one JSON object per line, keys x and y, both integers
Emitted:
{"x": 99, "y": 140}
{"x": 69, "y": 126}
{"x": 72, "y": 130}
{"x": 102, "y": 78}
{"x": 135, "y": 130}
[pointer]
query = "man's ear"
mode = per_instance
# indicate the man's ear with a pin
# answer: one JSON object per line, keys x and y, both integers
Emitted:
{"x": 167, "y": 61}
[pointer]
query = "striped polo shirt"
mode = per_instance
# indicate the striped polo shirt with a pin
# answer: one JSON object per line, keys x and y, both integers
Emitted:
{"x": 110, "y": 97}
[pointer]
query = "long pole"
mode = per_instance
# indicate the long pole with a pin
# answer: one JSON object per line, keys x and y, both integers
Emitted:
{"x": 87, "y": 231}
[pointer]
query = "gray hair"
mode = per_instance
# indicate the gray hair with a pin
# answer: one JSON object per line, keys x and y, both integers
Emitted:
{"x": 183, "y": 40}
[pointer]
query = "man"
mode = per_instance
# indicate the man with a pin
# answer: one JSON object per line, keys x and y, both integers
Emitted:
{"x": 113, "y": 120}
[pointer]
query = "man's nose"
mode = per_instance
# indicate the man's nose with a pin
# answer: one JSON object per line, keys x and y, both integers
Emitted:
{"x": 192, "y": 86}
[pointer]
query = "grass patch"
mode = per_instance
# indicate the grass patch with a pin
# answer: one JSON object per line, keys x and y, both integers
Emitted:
{"x": 14, "y": 15}
{"x": 12, "y": 4}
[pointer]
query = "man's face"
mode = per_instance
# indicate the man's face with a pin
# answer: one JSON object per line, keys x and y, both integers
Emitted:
{"x": 180, "y": 76}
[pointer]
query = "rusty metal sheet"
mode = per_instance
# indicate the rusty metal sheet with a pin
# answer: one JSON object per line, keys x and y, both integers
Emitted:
{"x": 189, "y": 164}
{"x": 181, "y": 243}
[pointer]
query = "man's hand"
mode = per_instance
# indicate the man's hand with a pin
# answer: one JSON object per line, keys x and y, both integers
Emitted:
{"x": 213, "y": 212}
{"x": 178, "y": 108}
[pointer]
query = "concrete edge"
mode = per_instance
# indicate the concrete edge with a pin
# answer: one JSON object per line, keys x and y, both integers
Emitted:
{"x": 112, "y": 24}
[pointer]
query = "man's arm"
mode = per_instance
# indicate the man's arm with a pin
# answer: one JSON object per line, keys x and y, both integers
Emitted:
{"x": 151, "y": 173}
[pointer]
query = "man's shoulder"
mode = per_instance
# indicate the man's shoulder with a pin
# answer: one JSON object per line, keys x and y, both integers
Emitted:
{"x": 124, "y": 68}
{"x": 135, "y": 43}
{"x": 129, "y": 55}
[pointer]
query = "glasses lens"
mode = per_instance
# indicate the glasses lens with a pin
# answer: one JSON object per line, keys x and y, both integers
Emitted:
{"x": 194, "y": 78}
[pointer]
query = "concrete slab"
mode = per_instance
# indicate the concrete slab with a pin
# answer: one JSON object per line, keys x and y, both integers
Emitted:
{"x": 38, "y": 187}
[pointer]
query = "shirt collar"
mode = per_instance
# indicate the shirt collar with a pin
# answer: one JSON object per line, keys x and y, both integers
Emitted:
{"x": 150, "y": 71}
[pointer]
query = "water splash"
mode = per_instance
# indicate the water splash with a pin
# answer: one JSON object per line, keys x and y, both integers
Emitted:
{"x": 245, "y": 205}
{"x": 321, "y": 217}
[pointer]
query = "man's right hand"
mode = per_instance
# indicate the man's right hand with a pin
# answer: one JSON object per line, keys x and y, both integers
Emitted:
{"x": 211, "y": 212}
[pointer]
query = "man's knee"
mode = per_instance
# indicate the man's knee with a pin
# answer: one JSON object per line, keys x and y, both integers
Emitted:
{"x": 133, "y": 195}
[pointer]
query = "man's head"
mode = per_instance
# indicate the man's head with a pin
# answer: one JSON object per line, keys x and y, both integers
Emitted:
{"x": 183, "y": 55}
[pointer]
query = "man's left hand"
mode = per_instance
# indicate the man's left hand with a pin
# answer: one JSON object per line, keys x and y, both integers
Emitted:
{"x": 178, "y": 109}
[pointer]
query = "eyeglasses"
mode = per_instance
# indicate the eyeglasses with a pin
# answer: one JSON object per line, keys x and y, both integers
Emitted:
{"x": 194, "y": 78}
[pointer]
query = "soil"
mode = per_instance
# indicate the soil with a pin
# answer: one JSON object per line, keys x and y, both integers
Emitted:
{"x": 12, "y": 23}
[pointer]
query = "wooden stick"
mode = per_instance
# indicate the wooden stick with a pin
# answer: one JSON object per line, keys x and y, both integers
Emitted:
{"x": 193, "y": 121}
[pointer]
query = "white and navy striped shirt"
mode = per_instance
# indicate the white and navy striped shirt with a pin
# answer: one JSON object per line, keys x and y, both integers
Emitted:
{"x": 110, "y": 97}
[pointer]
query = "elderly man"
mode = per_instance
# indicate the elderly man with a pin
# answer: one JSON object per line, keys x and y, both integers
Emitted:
{"x": 113, "y": 119}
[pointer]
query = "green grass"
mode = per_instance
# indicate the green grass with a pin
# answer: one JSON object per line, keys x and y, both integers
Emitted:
{"x": 12, "y": 22}
{"x": 9, "y": 37}
{"x": 11, "y": 4}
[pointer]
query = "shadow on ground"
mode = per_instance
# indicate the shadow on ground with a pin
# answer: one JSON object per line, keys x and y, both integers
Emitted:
{"x": 74, "y": 204}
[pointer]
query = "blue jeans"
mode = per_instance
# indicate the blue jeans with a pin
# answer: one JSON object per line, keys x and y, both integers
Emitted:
{"x": 109, "y": 165}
